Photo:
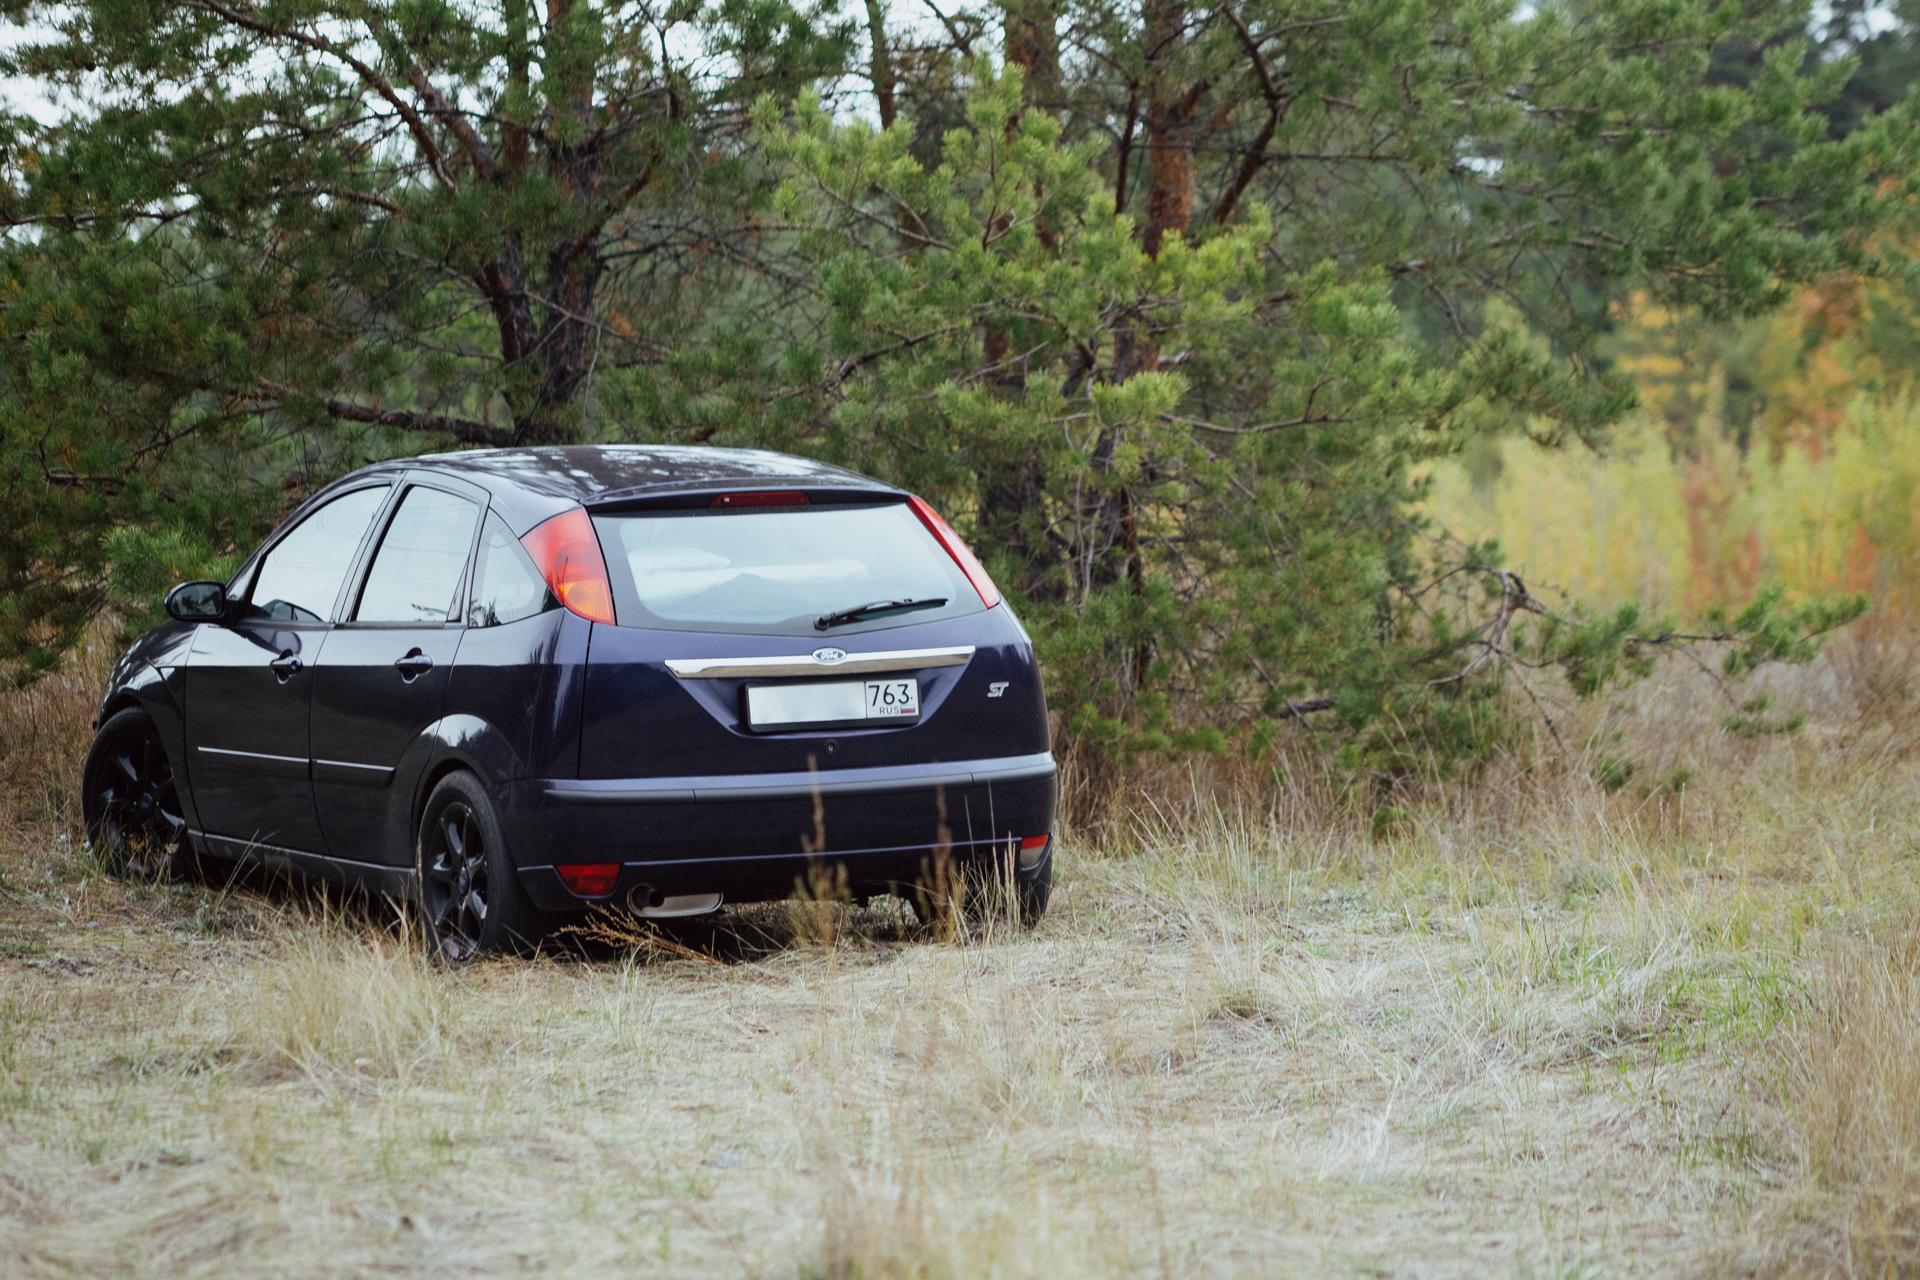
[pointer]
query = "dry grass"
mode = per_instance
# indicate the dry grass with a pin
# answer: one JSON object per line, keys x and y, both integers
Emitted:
{"x": 1529, "y": 1027}
{"x": 1854, "y": 1086}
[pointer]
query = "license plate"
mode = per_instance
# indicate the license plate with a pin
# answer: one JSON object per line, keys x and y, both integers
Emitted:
{"x": 832, "y": 702}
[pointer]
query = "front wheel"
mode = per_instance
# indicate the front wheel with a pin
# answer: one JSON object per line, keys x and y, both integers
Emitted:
{"x": 470, "y": 895}
{"x": 129, "y": 799}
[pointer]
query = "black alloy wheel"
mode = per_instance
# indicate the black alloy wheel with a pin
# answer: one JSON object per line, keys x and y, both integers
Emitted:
{"x": 453, "y": 885}
{"x": 129, "y": 800}
{"x": 470, "y": 897}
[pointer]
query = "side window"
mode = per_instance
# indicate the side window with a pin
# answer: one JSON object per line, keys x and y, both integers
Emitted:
{"x": 506, "y": 586}
{"x": 300, "y": 577}
{"x": 416, "y": 572}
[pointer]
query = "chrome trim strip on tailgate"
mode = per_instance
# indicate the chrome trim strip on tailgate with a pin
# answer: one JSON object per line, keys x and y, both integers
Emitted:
{"x": 805, "y": 664}
{"x": 848, "y": 782}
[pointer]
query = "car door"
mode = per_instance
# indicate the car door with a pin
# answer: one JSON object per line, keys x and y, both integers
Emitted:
{"x": 383, "y": 676}
{"x": 249, "y": 681}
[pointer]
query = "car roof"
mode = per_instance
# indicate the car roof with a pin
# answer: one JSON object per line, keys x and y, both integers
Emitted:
{"x": 599, "y": 473}
{"x": 532, "y": 485}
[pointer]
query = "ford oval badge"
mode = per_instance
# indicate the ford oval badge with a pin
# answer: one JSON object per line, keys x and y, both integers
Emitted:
{"x": 829, "y": 657}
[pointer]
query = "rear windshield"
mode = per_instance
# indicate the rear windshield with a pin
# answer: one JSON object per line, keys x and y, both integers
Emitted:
{"x": 777, "y": 571}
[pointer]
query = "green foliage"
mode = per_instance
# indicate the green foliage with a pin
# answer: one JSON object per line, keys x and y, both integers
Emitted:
{"x": 1597, "y": 652}
{"x": 1752, "y": 722}
{"x": 1387, "y": 822}
{"x": 1614, "y": 773}
{"x": 105, "y": 429}
{"x": 1594, "y": 652}
{"x": 1171, "y": 330}
{"x": 1672, "y": 782}
{"x": 144, "y": 563}
{"x": 1229, "y": 535}
{"x": 1765, "y": 632}
{"x": 270, "y": 242}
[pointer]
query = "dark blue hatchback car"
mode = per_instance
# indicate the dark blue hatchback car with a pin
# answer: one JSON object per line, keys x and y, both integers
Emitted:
{"x": 513, "y": 685}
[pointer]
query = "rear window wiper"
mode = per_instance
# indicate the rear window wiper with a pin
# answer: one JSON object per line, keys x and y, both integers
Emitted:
{"x": 875, "y": 609}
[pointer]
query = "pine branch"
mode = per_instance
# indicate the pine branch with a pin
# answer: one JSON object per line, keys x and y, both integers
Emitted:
{"x": 422, "y": 136}
{"x": 462, "y": 429}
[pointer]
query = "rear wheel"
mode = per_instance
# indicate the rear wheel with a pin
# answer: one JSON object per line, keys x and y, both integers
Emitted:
{"x": 470, "y": 895}
{"x": 981, "y": 889}
{"x": 1034, "y": 889}
{"x": 130, "y": 801}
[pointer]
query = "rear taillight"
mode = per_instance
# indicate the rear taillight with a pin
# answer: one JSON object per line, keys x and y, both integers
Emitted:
{"x": 1032, "y": 849}
{"x": 763, "y": 498}
{"x": 590, "y": 879}
{"x": 968, "y": 562}
{"x": 568, "y": 555}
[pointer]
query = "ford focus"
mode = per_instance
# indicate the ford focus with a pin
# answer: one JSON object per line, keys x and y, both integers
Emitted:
{"x": 509, "y": 687}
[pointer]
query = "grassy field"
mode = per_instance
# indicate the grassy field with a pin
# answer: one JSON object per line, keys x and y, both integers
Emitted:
{"x": 1528, "y": 1027}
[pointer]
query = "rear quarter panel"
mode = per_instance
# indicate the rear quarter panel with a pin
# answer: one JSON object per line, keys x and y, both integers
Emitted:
{"x": 526, "y": 681}
{"x": 512, "y": 712}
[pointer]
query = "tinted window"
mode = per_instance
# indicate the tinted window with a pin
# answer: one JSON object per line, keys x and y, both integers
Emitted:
{"x": 776, "y": 571}
{"x": 301, "y": 576}
{"x": 417, "y": 570}
{"x": 506, "y": 586}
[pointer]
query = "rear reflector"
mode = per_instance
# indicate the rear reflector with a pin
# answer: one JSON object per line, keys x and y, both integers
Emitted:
{"x": 590, "y": 879}
{"x": 1032, "y": 849}
{"x": 568, "y": 555}
{"x": 969, "y": 564}
{"x": 763, "y": 498}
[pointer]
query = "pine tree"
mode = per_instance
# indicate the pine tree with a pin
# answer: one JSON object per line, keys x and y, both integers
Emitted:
{"x": 267, "y": 241}
{"x": 1184, "y": 398}
{"x": 1168, "y": 306}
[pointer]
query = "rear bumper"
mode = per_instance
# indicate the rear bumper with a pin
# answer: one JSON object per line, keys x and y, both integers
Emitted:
{"x": 760, "y": 837}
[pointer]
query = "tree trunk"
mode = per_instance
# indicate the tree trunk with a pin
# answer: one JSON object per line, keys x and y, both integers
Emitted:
{"x": 1170, "y": 162}
{"x": 568, "y": 342}
{"x": 882, "y": 62}
{"x": 1172, "y": 133}
{"x": 1033, "y": 45}
{"x": 1170, "y": 127}
{"x": 1013, "y": 490}
{"x": 555, "y": 365}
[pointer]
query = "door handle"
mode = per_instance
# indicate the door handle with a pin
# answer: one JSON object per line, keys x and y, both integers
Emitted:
{"x": 285, "y": 666}
{"x": 414, "y": 664}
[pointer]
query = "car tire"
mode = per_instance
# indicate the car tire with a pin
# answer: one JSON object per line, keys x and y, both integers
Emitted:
{"x": 1034, "y": 891}
{"x": 130, "y": 801}
{"x": 470, "y": 896}
{"x": 982, "y": 894}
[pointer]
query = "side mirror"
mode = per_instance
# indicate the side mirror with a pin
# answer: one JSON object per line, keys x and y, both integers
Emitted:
{"x": 197, "y": 602}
